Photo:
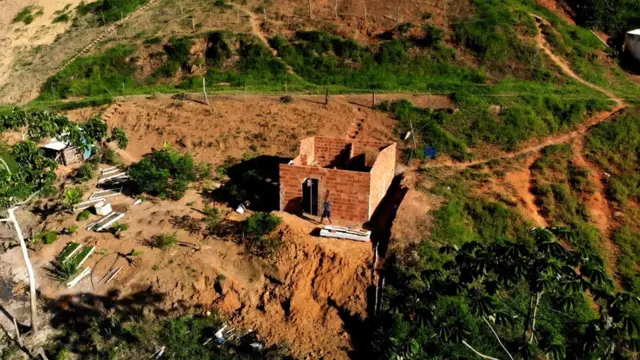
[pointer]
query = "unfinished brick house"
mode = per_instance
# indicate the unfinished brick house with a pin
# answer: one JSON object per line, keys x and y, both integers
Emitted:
{"x": 356, "y": 174}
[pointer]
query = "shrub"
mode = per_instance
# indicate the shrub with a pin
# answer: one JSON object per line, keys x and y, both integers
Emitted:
{"x": 164, "y": 241}
{"x": 86, "y": 171}
{"x": 117, "y": 229}
{"x": 47, "y": 237}
{"x": 118, "y": 135}
{"x": 286, "y": 99}
{"x": 260, "y": 223}
{"x": 72, "y": 196}
{"x": 152, "y": 40}
{"x": 212, "y": 220}
{"x": 259, "y": 239}
{"x": 83, "y": 215}
{"x": 70, "y": 230}
{"x": 108, "y": 157}
{"x": 163, "y": 173}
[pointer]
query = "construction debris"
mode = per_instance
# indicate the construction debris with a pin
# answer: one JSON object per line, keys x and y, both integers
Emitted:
{"x": 103, "y": 194}
{"x": 342, "y": 232}
{"x": 105, "y": 222}
{"x": 87, "y": 204}
{"x": 77, "y": 279}
{"x": 103, "y": 208}
{"x": 113, "y": 272}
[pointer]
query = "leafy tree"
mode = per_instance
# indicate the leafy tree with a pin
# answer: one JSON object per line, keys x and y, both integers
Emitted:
{"x": 473, "y": 297}
{"x": 95, "y": 129}
{"x": 165, "y": 173}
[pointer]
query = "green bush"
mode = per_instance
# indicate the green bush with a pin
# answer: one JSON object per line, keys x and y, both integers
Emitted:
{"x": 152, "y": 40}
{"x": 213, "y": 220}
{"x": 73, "y": 196}
{"x": 46, "y": 237}
{"x": 27, "y": 14}
{"x": 259, "y": 237}
{"x": 164, "y": 173}
{"x": 260, "y": 223}
{"x": 109, "y": 11}
{"x": 83, "y": 215}
{"x": 86, "y": 171}
{"x": 164, "y": 241}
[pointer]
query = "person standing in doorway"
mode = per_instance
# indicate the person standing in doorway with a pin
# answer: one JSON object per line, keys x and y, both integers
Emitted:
{"x": 326, "y": 209}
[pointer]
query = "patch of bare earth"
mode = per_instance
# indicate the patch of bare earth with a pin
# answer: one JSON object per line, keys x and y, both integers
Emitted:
{"x": 236, "y": 126}
{"x": 520, "y": 181}
{"x": 600, "y": 211}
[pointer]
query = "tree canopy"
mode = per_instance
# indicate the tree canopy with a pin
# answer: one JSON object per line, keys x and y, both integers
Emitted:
{"x": 490, "y": 299}
{"x": 165, "y": 173}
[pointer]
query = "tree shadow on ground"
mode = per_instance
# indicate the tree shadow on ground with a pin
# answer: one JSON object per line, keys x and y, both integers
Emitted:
{"x": 255, "y": 180}
{"x": 80, "y": 318}
{"x": 359, "y": 329}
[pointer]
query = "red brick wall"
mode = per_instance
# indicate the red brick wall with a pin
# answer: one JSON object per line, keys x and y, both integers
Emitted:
{"x": 349, "y": 191}
{"x": 306, "y": 156}
{"x": 328, "y": 150}
{"x": 382, "y": 174}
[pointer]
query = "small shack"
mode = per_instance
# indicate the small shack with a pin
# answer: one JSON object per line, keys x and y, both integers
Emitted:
{"x": 632, "y": 44}
{"x": 65, "y": 154}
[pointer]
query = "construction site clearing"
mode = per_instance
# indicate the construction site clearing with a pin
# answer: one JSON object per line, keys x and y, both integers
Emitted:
{"x": 305, "y": 297}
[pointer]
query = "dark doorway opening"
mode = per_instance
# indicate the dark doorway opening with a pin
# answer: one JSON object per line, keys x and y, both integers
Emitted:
{"x": 310, "y": 197}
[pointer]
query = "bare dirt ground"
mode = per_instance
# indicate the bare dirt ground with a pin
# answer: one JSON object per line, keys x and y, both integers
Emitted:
{"x": 559, "y": 9}
{"x": 306, "y": 296}
{"x": 521, "y": 182}
{"x": 235, "y": 126}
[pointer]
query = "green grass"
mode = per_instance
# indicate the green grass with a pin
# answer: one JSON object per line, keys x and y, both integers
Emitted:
{"x": 27, "y": 14}
{"x": 615, "y": 146}
{"x": 628, "y": 240}
{"x": 559, "y": 186}
{"x": 109, "y": 11}
{"x": 9, "y": 161}
{"x": 97, "y": 75}
{"x": 474, "y": 123}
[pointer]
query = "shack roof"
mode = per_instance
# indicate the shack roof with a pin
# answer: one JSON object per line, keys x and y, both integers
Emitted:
{"x": 55, "y": 145}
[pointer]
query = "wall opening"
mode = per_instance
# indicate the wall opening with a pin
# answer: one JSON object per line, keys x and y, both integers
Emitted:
{"x": 310, "y": 196}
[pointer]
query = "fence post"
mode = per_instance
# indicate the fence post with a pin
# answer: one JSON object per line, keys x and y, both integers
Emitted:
{"x": 326, "y": 96}
{"x": 373, "y": 100}
{"x": 204, "y": 90}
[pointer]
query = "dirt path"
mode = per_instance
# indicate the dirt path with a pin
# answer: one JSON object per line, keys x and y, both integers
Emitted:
{"x": 600, "y": 211}
{"x": 521, "y": 182}
{"x": 556, "y": 139}
{"x": 542, "y": 43}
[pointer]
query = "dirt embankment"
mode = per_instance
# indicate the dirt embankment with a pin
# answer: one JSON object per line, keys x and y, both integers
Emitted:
{"x": 311, "y": 296}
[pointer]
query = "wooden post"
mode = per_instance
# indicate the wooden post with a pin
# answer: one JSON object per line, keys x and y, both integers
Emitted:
{"x": 181, "y": 9}
{"x": 326, "y": 96}
{"x": 204, "y": 91}
{"x": 121, "y": 17}
{"x": 245, "y": 92}
{"x": 446, "y": 23}
{"x": 335, "y": 9}
{"x": 373, "y": 100}
{"x": 193, "y": 24}
{"x": 104, "y": 22}
{"x": 286, "y": 89}
{"x": 398, "y": 18}
{"x": 122, "y": 88}
{"x": 310, "y": 11}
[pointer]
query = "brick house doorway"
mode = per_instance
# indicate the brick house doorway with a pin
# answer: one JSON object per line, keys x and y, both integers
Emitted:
{"x": 310, "y": 196}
